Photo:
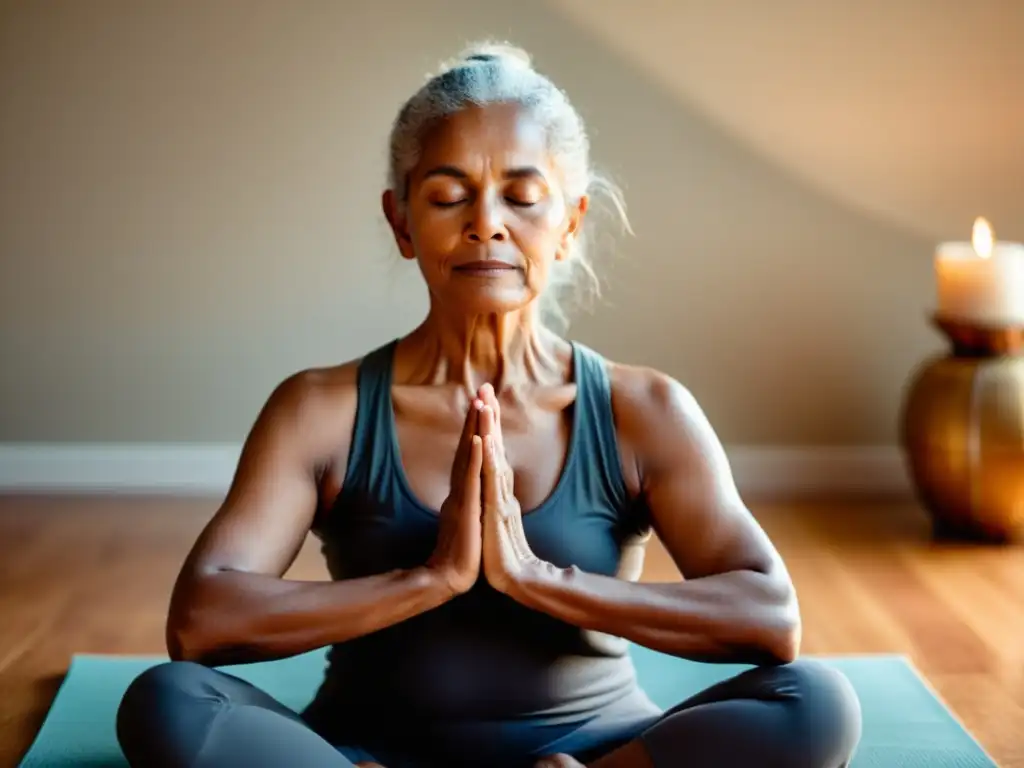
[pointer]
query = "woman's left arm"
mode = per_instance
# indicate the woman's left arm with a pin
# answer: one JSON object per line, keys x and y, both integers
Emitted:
{"x": 736, "y": 602}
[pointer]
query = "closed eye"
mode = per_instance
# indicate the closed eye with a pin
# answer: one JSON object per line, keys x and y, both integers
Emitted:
{"x": 509, "y": 200}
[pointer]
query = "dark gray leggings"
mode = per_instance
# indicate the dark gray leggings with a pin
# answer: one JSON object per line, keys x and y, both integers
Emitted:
{"x": 180, "y": 714}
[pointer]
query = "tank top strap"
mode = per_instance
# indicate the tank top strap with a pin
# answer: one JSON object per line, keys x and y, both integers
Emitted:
{"x": 371, "y": 447}
{"x": 598, "y": 447}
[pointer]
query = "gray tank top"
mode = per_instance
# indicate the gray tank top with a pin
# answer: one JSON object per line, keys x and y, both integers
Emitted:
{"x": 481, "y": 655}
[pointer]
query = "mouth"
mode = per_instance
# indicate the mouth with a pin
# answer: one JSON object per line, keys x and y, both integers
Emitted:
{"x": 485, "y": 268}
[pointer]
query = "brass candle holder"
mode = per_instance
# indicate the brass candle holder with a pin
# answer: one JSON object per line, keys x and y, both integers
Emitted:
{"x": 962, "y": 433}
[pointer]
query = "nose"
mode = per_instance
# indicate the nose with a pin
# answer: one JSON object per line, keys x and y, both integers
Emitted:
{"x": 485, "y": 223}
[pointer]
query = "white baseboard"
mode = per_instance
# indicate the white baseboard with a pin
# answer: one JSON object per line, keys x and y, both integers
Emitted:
{"x": 206, "y": 470}
{"x": 176, "y": 469}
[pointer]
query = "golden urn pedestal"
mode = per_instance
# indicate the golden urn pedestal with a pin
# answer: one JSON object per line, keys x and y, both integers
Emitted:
{"x": 962, "y": 433}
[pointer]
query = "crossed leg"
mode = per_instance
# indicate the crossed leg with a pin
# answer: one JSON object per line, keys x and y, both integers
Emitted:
{"x": 804, "y": 714}
{"x": 184, "y": 715}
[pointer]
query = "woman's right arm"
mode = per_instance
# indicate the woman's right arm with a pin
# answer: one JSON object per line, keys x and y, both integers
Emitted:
{"x": 230, "y": 604}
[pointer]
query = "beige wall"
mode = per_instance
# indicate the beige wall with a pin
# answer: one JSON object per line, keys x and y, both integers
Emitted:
{"x": 189, "y": 212}
{"x": 909, "y": 110}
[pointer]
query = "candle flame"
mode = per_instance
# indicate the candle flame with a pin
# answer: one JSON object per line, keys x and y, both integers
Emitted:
{"x": 982, "y": 237}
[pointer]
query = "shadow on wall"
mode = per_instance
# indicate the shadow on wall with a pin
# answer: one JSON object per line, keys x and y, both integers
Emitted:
{"x": 792, "y": 315}
{"x": 861, "y": 99}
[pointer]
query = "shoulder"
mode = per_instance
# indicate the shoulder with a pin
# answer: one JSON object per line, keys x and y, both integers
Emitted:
{"x": 307, "y": 393}
{"x": 656, "y": 415}
{"x": 646, "y": 390}
{"x": 312, "y": 411}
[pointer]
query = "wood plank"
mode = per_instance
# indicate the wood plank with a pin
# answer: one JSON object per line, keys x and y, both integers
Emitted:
{"x": 93, "y": 575}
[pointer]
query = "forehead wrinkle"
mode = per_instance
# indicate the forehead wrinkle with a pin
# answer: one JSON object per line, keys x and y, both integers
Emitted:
{"x": 487, "y": 138}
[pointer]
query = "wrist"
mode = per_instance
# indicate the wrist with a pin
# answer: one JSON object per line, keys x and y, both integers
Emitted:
{"x": 531, "y": 577}
{"x": 445, "y": 582}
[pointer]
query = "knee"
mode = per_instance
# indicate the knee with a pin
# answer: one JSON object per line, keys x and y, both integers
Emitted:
{"x": 171, "y": 679}
{"x": 829, "y": 709}
{"x": 824, "y": 686}
{"x": 153, "y": 698}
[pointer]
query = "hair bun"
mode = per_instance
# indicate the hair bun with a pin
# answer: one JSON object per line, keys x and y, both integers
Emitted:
{"x": 490, "y": 52}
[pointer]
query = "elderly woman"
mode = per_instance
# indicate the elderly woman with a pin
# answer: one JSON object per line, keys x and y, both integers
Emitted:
{"x": 483, "y": 489}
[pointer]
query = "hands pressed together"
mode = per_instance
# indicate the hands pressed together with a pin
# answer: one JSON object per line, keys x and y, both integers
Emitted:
{"x": 481, "y": 524}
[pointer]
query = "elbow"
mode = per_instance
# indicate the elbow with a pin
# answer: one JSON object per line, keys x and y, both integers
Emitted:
{"x": 775, "y": 638}
{"x": 773, "y": 645}
{"x": 190, "y": 633}
{"x": 185, "y": 642}
{"x": 785, "y": 645}
{"x": 784, "y": 634}
{"x": 196, "y": 646}
{"x": 202, "y": 637}
{"x": 770, "y": 646}
{"x": 197, "y": 626}
{"x": 176, "y": 648}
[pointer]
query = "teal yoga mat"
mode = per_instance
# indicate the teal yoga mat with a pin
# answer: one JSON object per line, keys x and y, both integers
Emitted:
{"x": 905, "y": 725}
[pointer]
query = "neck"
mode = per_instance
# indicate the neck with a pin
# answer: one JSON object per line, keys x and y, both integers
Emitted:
{"x": 509, "y": 350}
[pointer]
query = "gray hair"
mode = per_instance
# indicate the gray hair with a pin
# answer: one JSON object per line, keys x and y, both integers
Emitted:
{"x": 490, "y": 73}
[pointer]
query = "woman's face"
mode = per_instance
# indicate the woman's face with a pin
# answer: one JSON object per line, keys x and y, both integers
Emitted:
{"x": 486, "y": 214}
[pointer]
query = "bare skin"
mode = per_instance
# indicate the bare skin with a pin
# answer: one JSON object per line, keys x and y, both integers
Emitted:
{"x": 481, "y": 396}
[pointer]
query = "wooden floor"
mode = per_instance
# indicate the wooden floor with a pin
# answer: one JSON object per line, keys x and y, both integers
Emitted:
{"x": 93, "y": 575}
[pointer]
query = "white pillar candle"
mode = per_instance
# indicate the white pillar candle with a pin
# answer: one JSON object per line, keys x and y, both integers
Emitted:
{"x": 981, "y": 282}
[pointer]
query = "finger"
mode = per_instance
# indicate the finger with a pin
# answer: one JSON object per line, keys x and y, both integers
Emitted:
{"x": 470, "y": 425}
{"x": 489, "y": 418}
{"x": 490, "y": 397}
{"x": 473, "y": 469}
{"x": 496, "y": 433}
{"x": 486, "y": 422}
{"x": 502, "y": 468}
{"x": 469, "y": 428}
{"x": 490, "y": 474}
